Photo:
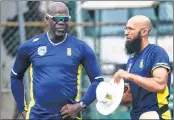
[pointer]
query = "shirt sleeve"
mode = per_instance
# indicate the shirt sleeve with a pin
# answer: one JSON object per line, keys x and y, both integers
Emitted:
{"x": 160, "y": 59}
{"x": 21, "y": 64}
{"x": 92, "y": 68}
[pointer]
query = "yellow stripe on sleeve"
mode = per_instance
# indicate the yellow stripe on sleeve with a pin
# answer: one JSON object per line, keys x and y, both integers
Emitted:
{"x": 78, "y": 82}
{"x": 78, "y": 88}
{"x": 164, "y": 66}
{"x": 162, "y": 100}
{"x": 25, "y": 102}
{"x": 32, "y": 102}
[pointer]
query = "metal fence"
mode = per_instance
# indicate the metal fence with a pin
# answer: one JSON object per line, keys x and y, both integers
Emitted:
{"x": 11, "y": 34}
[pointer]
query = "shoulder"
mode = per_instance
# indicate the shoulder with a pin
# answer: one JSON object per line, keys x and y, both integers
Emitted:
{"x": 78, "y": 42}
{"x": 28, "y": 44}
{"x": 34, "y": 40}
{"x": 159, "y": 56}
{"x": 37, "y": 38}
{"x": 155, "y": 49}
{"x": 75, "y": 39}
{"x": 82, "y": 46}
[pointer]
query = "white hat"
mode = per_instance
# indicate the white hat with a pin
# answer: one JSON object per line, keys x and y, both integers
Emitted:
{"x": 109, "y": 96}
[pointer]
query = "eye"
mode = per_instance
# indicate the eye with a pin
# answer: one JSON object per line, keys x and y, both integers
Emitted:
{"x": 128, "y": 29}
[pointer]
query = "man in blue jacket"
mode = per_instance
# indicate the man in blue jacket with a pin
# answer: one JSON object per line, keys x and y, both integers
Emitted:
{"x": 56, "y": 59}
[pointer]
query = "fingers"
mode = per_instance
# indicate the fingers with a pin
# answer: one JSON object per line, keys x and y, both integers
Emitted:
{"x": 120, "y": 74}
{"x": 65, "y": 113}
{"x": 73, "y": 116}
{"x": 65, "y": 116}
{"x": 63, "y": 108}
{"x": 116, "y": 78}
{"x": 70, "y": 117}
{"x": 69, "y": 111}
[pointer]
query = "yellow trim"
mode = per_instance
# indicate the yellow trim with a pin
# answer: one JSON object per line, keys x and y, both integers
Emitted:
{"x": 162, "y": 100}
{"x": 167, "y": 115}
{"x": 79, "y": 118}
{"x": 32, "y": 102}
{"x": 25, "y": 102}
{"x": 78, "y": 88}
{"x": 78, "y": 82}
{"x": 164, "y": 66}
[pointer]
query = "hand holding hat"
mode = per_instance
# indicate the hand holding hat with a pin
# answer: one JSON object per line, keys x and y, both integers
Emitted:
{"x": 109, "y": 96}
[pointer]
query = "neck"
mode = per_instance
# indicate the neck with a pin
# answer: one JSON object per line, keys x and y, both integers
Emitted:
{"x": 56, "y": 39}
{"x": 144, "y": 43}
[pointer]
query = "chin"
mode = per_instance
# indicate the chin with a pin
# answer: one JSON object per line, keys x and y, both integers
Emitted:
{"x": 59, "y": 34}
{"x": 128, "y": 39}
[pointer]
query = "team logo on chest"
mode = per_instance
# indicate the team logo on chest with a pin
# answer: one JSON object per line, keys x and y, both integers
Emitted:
{"x": 69, "y": 52}
{"x": 141, "y": 63}
{"x": 42, "y": 50}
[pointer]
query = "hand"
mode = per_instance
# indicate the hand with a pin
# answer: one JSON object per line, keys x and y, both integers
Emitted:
{"x": 127, "y": 97}
{"x": 127, "y": 88}
{"x": 24, "y": 114}
{"x": 70, "y": 110}
{"x": 120, "y": 74}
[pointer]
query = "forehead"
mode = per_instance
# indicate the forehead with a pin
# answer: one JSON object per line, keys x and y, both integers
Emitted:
{"x": 59, "y": 11}
{"x": 131, "y": 24}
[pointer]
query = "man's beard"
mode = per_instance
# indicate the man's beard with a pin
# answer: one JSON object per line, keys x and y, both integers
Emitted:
{"x": 133, "y": 46}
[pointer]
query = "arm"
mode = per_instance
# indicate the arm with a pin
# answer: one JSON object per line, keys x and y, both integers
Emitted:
{"x": 92, "y": 68}
{"x": 20, "y": 66}
{"x": 158, "y": 81}
{"x": 90, "y": 63}
{"x": 155, "y": 84}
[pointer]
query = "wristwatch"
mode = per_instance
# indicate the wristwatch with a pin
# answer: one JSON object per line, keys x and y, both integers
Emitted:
{"x": 82, "y": 105}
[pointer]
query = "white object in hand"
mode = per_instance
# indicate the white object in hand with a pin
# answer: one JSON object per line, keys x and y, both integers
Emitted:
{"x": 109, "y": 96}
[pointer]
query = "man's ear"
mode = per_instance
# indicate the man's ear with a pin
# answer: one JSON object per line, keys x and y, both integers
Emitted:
{"x": 46, "y": 20}
{"x": 144, "y": 32}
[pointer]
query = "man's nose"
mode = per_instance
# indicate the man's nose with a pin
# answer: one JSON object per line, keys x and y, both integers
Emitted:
{"x": 126, "y": 32}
